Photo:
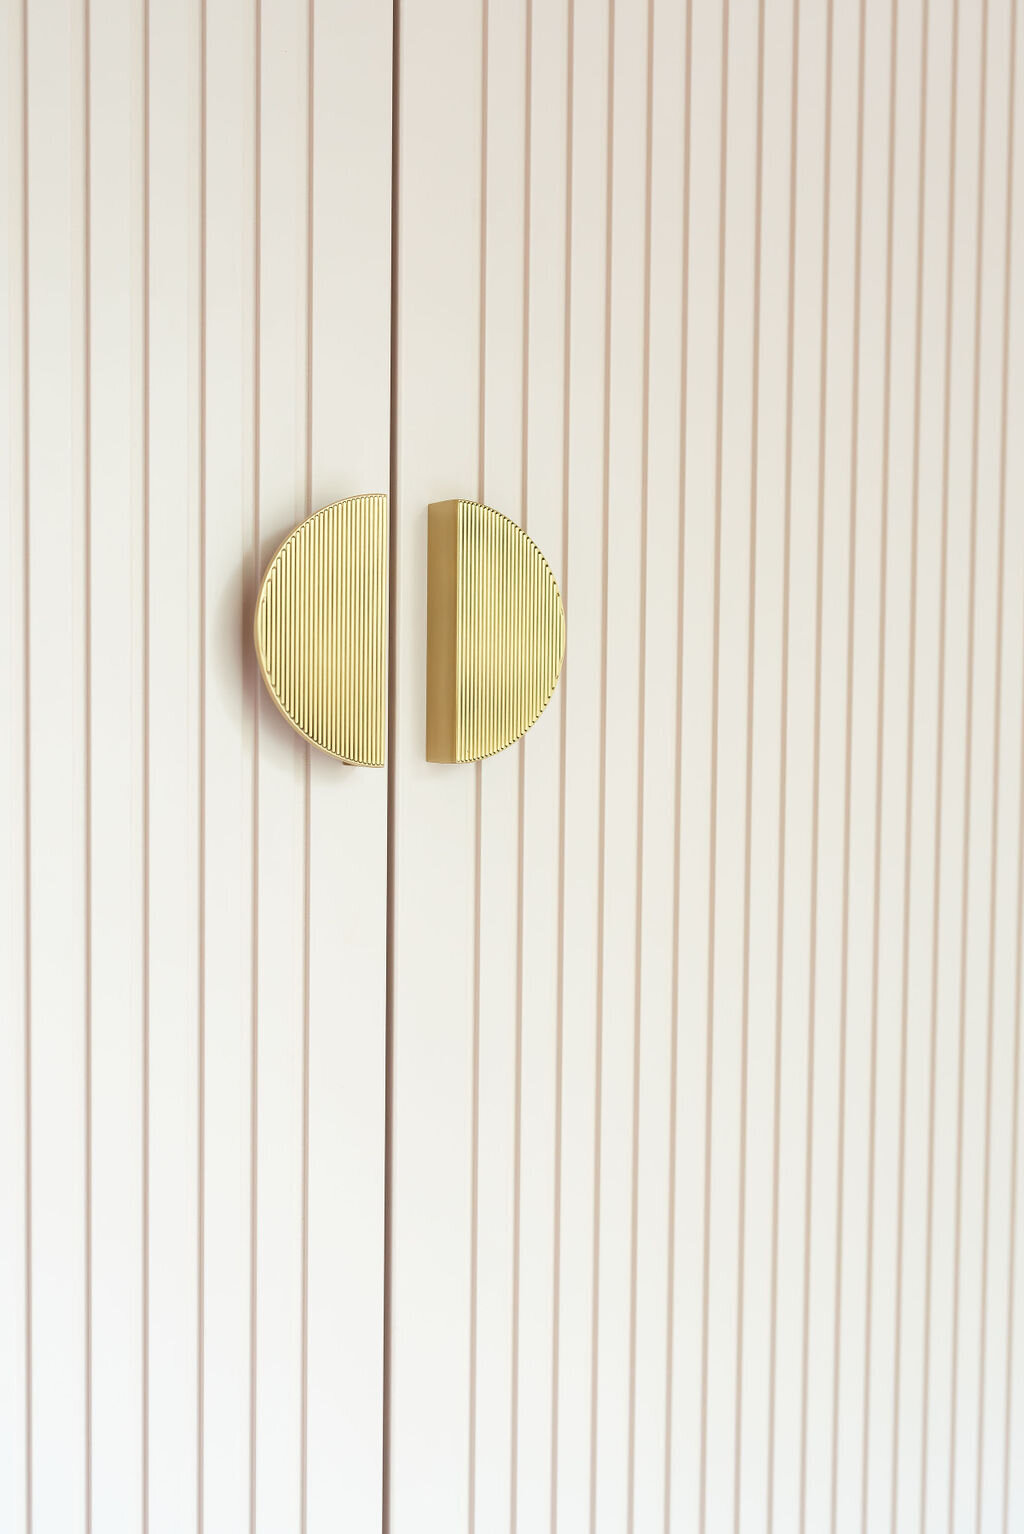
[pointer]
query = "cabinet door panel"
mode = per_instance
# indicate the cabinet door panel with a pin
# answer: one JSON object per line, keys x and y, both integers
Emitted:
{"x": 706, "y": 994}
{"x": 197, "y": 238}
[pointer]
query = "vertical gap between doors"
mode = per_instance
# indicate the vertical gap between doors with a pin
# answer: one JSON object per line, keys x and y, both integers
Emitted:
{"x": 389, "y": 982}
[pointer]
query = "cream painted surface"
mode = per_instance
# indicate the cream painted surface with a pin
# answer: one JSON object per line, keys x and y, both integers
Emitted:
{"x": 195, "y": 956}
{"x": 707, "y": 996}
{"x": 706, "y": 999}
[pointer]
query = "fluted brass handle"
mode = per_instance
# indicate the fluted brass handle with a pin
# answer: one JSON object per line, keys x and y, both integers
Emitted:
{"x": 495, "y": 632}
{"x": 321, "y": 628}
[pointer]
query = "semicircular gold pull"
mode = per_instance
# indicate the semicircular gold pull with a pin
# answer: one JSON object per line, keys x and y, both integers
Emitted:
{"x": 495, "y": 632}
{"x": 321, "y": 628}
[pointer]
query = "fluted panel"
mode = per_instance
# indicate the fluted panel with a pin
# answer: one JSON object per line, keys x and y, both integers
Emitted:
{"x": 192, "y": 904}
{"x": 706, "y": 1199}
{"x": 509, "y": 632}
{"x": 321, "y": 628}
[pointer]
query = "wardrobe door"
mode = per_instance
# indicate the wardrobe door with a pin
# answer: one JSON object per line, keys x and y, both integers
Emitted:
{"x": 192, "y": 936}
{"x": 706, "y": 995}
{"x": 523, "y": 352}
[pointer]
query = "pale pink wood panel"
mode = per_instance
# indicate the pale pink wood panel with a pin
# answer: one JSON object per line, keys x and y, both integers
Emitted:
{"x": 797, "y": 765}
{"x": 658, "y": 634}
{"x": 117, "y": 406}
{"x": 323, "y": 339}
{"x": 932, "y": 191}
{"x": 579, "y": 700}
{"x": 351, "y": 418}
{"x": 55, "y": 890}
{"x": 679, "y": 1236}
{"x": 227, "y": 703}
{"x": 503, "y": 63}
{"x": 172, "y": 797}
{"x": 769, "y": 278}
{"x": 537, "y": 884}
{"x": 730, "y": 1189}
{"x": 435, "y": 456}
{"x": 14, "y": 1035}
{"x": 167, "y": 923}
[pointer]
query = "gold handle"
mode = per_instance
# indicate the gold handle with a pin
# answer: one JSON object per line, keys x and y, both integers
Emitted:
{"x": 321, "y": 628}
{"x": 495, "y": 632}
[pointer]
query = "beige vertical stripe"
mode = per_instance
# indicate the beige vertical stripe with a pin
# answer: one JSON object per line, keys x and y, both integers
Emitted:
{"x": 939, "y": 753}
{"x": 755, "y": 362}
{"x": 562, "y": 735}
{"x": 996, "y": 735}
{"x": 645, "y": 432}
{"x": 474, "y": 1231}
{"x": 813, "y": 972}
{"x": 146, "y": 622}
{"x": 909, "y": 789}
{"x": 26, "y": 744}
{"x": 994, "y": 841}
{"x": 850, "y": 632}
{"x": 603, "y": 775}
{"x": 201, "y": 851}
{"x": 1019, "y": 913}
{"x": 87, "y": 703}
{"x": 879, "y": 755}
{"x": 257, "y": 701}
{"x": 713, "y": 808}
{"x": 783, "y": 764}
{"x": 968, "y": 762}
{"x": 678, "y": 786}
{"x": 515, "y": 551}
{"x": 314, "y": 641}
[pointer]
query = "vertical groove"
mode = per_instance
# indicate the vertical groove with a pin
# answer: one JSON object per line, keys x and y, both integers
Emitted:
{"x": 524, "y": 712}
{"x": 526, "y": 701}
{"x": 815, "y": 849}
{"x": 87, "y": 702}
{"x": 310, "y": 607}
{"x": 26, "y": 761}
{"x": 201, "y": 999}
{"x": 879, "y": 760}
{"x": 780, "y": 898}
{"x": 257, "y": 226}
{"x": 556, "y": 1252}
{"x": 320, "y": 701}
{"x": 713, "y": 806}
{"x": 755, "y": 402}
{"x": 909, "y": 784}
{"x": 677, "y": 787}
{"x": 602, "y": 775}
{"x": 645, "y": 436}
{"x": 996, "y": 742}
{"x": 1014, "y": 1118}
{"x": 392, "y": 777}
{"x": 968, "y": 762}
{"x": 1015, "y": 1110}
{"x": 939, "y": 757}
{"x": 146, "y": 750}
{"x": 474, "y": 1233}
{"x": 851, "y": 603}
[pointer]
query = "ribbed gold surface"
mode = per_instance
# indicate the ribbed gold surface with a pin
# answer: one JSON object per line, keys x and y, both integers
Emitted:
{"x": 509, "y": 632}
{"x": 321, "y": 628}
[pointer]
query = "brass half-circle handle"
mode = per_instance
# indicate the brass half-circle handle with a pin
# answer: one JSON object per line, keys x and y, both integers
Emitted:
{"x": 321, "y": 628}
{"x": 495, "y": 632}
